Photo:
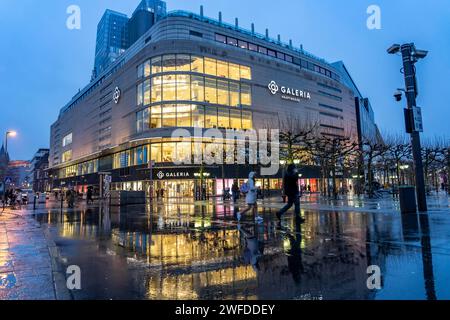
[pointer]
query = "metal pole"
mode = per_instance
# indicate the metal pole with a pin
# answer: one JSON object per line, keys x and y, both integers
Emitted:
{"x": 411, "y": 92}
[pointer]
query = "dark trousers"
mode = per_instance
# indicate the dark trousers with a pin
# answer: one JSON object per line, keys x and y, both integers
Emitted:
{"x": 292, "y": 200}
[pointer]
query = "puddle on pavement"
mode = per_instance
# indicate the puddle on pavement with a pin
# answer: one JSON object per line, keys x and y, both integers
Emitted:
{"x": 187, "y": 251}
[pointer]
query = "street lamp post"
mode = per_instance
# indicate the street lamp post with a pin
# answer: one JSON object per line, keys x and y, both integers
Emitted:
{"x": 9, "y": 133}
{"x": 410, "y": 56}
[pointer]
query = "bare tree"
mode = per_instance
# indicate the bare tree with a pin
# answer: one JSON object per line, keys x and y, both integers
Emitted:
{"x": 431, "y": 155}
{"x": 331, "y": 153}
{"x": 294, "y": 136}
{"x": 398, "y": 151}
{"x": 372, "y": 150}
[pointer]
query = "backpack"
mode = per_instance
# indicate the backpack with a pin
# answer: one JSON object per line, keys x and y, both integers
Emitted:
{"x": 245, "y": 188}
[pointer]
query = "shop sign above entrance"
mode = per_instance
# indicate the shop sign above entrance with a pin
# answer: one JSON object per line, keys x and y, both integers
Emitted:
{"x": 173, "y": 175}
{"x": 288, "y": 93}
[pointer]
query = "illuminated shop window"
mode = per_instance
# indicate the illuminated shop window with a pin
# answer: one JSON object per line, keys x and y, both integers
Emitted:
{"x": 156, "y": 65}
{"x": 210, "y": 66}
{"x": 247, "y": 120}
{"x": 156, "y": 88}
{"x": 147, "y": 92}
{"x": 183, "y": 87}
{"x": 222, "y": 92}
{"x": 235, "y": 119}
{"x": 246, "y": 73}
{"x": 183, "y": 62}
{"x": 184, "y": 151}
{"x": 168, "y": 151}
{"x": 169, "y": 63}
{"x": 156, "y": 151}
{"x": 184, "y": 115}
{"x": 198, "y": 88}
{"x": 210, "y": 90}
{"x": 197, "y": 64}
{"x": 210, "y": 117}
{"x": 156, "y": 118}
{"x": 67, "y": 156}
{"x": 169, "y": 115}
{"x": 222, "y": 69}
{"x": 223, "y": 120}
{"x": 198, "y": 116}
{"x": 169, "y": 87}
{"x": 234, "y": 71}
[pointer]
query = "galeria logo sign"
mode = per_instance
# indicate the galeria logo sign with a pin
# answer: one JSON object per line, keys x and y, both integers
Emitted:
{"x": 288, "y": 93}
{"x": 116, "y": 95}
{"x": 273, "y": 87}
{"x": 160, "y": 175}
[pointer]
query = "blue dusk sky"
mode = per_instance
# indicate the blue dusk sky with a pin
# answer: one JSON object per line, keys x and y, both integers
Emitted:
{"x": 43, "y": 64}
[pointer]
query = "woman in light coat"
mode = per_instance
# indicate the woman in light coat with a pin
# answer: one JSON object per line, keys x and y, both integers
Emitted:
{"x": 250, "y": 199}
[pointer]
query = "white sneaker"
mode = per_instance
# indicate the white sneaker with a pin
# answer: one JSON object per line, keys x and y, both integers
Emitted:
{"x": 259, "y": 219}
{"x": 238, "y": 216}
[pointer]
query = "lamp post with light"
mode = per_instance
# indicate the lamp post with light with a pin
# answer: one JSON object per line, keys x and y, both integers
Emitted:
{"x": 9, "y": 133}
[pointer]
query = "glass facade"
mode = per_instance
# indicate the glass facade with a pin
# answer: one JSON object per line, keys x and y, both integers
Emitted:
{"x": 200, "y": 88}
{"x": 172, "y": 89}
{"x": 84, "y": 168}
{"x": 192, "y": 115}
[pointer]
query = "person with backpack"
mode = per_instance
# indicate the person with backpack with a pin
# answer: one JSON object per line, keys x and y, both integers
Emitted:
{"x": 290, "y": 187}
{"x": 249, "y": 189}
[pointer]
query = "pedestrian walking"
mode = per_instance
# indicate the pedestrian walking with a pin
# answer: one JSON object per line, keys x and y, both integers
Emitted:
{"x": 89, "y": 195}
{"x": 290, "y": 186}
{"x": 249, "y": 189}
{"x": 235, "y": 191}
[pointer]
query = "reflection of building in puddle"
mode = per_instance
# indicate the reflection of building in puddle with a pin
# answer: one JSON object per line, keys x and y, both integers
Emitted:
{"x": 237, "y": 282}
{"x": 179, "y": 249}
{"x": 78, "y": 226}
{"x": 191, "y": 265}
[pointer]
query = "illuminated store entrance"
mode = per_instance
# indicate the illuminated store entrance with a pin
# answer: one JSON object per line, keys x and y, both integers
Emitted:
{"x": 182, "y": 188}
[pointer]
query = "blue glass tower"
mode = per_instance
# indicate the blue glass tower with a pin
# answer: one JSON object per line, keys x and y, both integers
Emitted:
{"x": 112, "y": 39}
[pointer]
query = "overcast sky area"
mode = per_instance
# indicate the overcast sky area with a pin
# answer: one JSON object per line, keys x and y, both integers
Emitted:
{"x": 43, "y": 64}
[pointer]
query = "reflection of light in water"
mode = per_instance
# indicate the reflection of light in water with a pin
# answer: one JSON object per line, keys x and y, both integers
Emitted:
{"x": 189, "y": 286}
{"x": 286, "y": 244}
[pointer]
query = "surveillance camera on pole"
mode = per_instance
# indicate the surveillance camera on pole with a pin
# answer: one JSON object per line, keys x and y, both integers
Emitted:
{"x": 398, "y": 95}
{"x": 413, "y": 114}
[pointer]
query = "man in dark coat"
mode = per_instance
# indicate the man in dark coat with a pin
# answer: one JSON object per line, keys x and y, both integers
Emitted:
{"x": 290, "y": 186}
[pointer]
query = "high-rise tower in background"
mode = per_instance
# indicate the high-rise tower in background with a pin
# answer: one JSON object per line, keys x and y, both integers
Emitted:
{"x": 144, "y": 17}
{"x": 112, "y": 39}
{"x": 116, "y": 33}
